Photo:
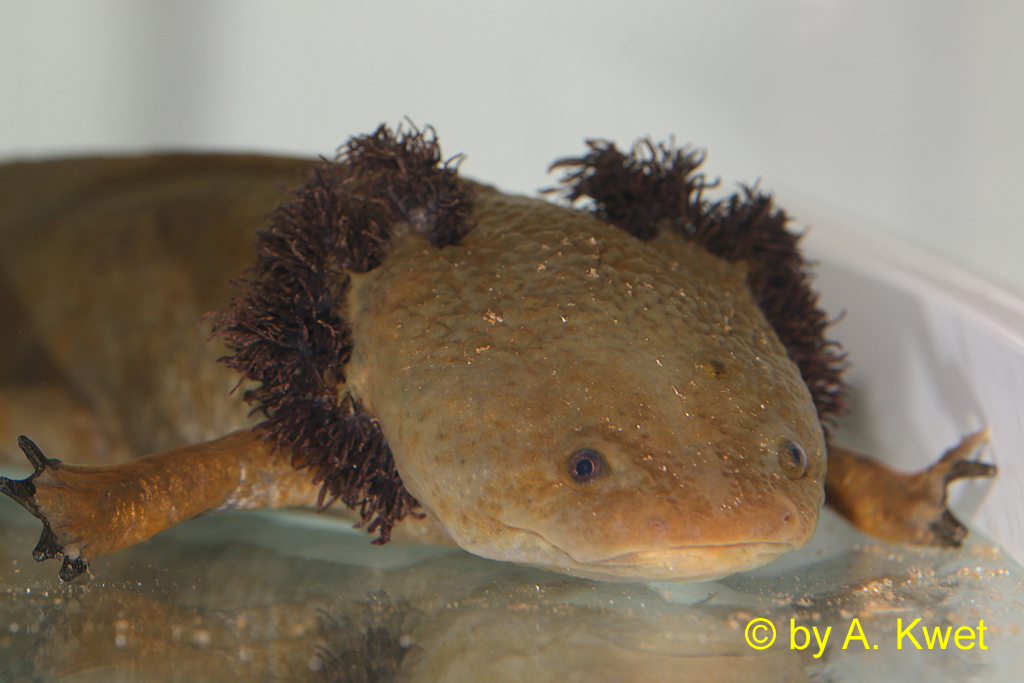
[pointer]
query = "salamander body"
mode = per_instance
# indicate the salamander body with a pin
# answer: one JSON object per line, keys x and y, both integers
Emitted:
{"x": 636, "y": 391}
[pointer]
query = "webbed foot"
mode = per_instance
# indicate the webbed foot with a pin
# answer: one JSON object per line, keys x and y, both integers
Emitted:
{"x": 23, "y": 492}
{"x": 894, "y": 506}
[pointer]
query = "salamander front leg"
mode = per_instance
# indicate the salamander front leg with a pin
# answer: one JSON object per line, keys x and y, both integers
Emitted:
{"x": 907, "y": 508}
{"x": 24, "y": 492}
{"x": 89, "y": 511}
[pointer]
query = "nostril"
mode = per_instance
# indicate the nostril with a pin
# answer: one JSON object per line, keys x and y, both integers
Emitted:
{"x": 790, "y": 526}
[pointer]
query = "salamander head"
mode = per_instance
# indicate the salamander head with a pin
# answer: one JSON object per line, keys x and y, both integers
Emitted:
{"x": 558, "y": 393}
{"x": 630, "y": 487}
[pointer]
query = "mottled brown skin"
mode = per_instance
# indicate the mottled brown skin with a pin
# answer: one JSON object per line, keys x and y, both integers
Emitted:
{"x": 544, "y": 332}
{"x": 898, "y": 506}
{"x": 114, "y": 263}
{"x": 488, "y": 363}
{"x": 237, "y": 471}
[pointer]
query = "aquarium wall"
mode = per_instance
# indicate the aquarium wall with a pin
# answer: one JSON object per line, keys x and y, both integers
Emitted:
{"x": 904, "y": 115}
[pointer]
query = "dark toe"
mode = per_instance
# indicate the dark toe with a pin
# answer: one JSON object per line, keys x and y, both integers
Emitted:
{"x": 949, "y": 533}
{"x": 48, "y": 545}
{"x": 22, "y": 491}
{"x": 969, "y": 468}
{"x": 71, "y": 569}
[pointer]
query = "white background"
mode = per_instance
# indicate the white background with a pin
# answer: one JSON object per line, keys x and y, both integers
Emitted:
{"x": 906, "y": 115}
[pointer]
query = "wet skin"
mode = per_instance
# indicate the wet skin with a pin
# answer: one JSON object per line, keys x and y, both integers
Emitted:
{"x": 555, "y": 392}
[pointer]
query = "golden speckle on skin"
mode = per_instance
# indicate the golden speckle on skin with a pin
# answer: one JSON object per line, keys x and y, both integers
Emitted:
{"x": 641, "y": 372}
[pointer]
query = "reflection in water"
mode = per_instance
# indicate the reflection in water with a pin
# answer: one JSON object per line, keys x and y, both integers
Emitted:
{"x": 265, "y": 597}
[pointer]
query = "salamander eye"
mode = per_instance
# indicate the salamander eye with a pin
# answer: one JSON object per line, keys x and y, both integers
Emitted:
{"x": 793, "y": 459}
{"x": 585, "y": 465}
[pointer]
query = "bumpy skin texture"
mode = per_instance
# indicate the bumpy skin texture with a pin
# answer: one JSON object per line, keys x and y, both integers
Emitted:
{"x": 491, "y": 362}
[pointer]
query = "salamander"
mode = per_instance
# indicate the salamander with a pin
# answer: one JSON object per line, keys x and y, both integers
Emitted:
{"x": 632, "y": 384}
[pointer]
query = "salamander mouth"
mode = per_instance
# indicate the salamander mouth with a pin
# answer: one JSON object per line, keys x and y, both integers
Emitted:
{"x": 644, "y": 557}
{"x": 682, "y": 563}
{"x": 692, "y": 562}
{"x": 687, "y": 562}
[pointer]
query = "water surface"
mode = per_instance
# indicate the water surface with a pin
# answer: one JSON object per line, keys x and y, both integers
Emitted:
{"x": 288, "y": 596}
